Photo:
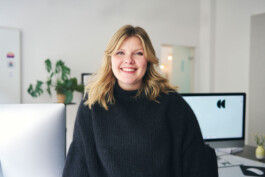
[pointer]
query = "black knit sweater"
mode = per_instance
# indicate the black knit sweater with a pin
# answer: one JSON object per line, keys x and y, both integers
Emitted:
{"x": 139, "y": 138}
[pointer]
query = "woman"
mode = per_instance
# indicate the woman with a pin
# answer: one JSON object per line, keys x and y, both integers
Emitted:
{"x": 132, "y": 123}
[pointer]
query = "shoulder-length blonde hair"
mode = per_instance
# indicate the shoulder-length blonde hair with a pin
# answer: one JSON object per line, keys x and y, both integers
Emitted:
{"x": 100, "y": 90}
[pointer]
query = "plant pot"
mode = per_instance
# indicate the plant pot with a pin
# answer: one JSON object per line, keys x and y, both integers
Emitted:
{"x": 60, "y": 98}
{"x": 260, "y": 152}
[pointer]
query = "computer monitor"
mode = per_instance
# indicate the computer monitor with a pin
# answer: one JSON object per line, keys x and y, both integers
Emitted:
{"x": 32, "y": 140}
{"x": 221, "y": 117}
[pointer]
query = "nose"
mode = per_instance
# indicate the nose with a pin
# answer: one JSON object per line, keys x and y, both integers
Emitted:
{"x": 129, "y": 59}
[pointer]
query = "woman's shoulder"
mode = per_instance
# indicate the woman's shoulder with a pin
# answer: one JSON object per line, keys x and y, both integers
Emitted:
{"x": 83, "y": 107}
{"x": 172, "y": 95}
{"x": 175, "y": 100}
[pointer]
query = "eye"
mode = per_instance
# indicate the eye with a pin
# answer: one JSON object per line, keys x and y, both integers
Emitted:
{"x": 119, "y": 53}
{"x": 139, "y": 53}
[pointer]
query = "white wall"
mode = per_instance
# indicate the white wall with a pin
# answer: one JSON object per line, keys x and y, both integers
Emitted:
{"x": 204, "y": 61}
{"x": 232, "y": 43}
{"x": 256, "y": 77}
{"x": 77, "y": 31}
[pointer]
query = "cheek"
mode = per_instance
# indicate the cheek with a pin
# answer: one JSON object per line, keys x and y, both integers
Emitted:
{"x": 115, "y": 65}
{"x": 113, "y": 62}
{"x": 144, "y": 65}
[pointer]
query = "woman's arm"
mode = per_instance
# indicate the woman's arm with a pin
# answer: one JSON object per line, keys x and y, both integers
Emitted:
{"x": 191, "y": 157}
{"x": 75, "y": 165}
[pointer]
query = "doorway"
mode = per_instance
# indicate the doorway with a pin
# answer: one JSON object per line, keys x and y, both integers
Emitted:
{"x": 177, "y": 64}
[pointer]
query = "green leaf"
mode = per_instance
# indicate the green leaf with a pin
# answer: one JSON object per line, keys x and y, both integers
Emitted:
{"x": 31, "y": 91}
{"x": 51, "y": 75}
{"x": 74, "y": 81}
{"x": 58, "y": 66}
{"x": 65, "y": 72}
{"x": 38, "y": 88}
{"x": 60, "y": 87}
{"x": 68, "y": 97}
{"x": 49, "y": 83}
{"x": 61, "y": 67}
{"x": 37, "y": 91}
{"x": 48, "y": 65}
{"x": 80, "y": 88}
{"x": 49, "y": 91}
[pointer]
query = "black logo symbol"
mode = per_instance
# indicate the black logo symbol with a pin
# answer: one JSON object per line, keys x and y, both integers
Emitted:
{"x": 220, "y": 104}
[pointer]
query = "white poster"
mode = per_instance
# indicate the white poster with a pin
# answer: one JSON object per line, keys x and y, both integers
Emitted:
{"x": 10, "y": 86}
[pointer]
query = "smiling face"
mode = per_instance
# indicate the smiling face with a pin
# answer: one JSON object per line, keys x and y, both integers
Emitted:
{"x": 129, "y": 64}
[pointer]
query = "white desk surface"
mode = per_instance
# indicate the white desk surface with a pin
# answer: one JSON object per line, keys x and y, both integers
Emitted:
{"x": 236, "y": 171}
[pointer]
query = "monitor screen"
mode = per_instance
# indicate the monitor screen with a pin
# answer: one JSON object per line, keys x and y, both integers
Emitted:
{"x": 221, "y": 117}
{"x": 32, "y": 140}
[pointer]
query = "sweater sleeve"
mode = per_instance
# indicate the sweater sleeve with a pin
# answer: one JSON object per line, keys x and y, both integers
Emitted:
{"x": 75, "y": 165}
{"x": 194, "y": 158}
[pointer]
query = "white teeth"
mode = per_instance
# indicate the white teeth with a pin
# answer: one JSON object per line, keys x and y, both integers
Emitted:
{"x": 128, "y": 69}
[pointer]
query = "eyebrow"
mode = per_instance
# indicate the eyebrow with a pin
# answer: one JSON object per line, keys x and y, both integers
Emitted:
{"x": 133, "y": 50}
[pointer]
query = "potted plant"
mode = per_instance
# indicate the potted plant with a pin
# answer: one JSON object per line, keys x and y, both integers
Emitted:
{"x": 260, "y": 140}
{"x": 60, "y": 79}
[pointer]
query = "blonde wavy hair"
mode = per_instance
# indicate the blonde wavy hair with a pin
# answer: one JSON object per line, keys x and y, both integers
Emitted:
{"x": 100, "y": 88}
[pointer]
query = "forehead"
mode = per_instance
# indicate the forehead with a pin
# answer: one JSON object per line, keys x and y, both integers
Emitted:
{"x": 131, "y": 43}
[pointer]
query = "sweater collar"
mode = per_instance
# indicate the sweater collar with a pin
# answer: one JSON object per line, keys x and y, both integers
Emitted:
{"x": 124, "y": 94}
{"x": 119, "y": 90}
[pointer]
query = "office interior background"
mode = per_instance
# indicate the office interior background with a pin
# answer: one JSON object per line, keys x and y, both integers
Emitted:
{"x": 228, "y": 37}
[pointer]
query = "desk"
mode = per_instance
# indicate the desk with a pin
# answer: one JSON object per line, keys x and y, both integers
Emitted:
{"x": 248, "y": 153}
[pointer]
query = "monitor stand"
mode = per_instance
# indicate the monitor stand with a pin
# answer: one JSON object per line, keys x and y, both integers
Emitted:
{"x": 226, "y": 143}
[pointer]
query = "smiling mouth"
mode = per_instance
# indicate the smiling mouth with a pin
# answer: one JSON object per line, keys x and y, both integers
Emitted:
{"x": 128, "y": 69}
